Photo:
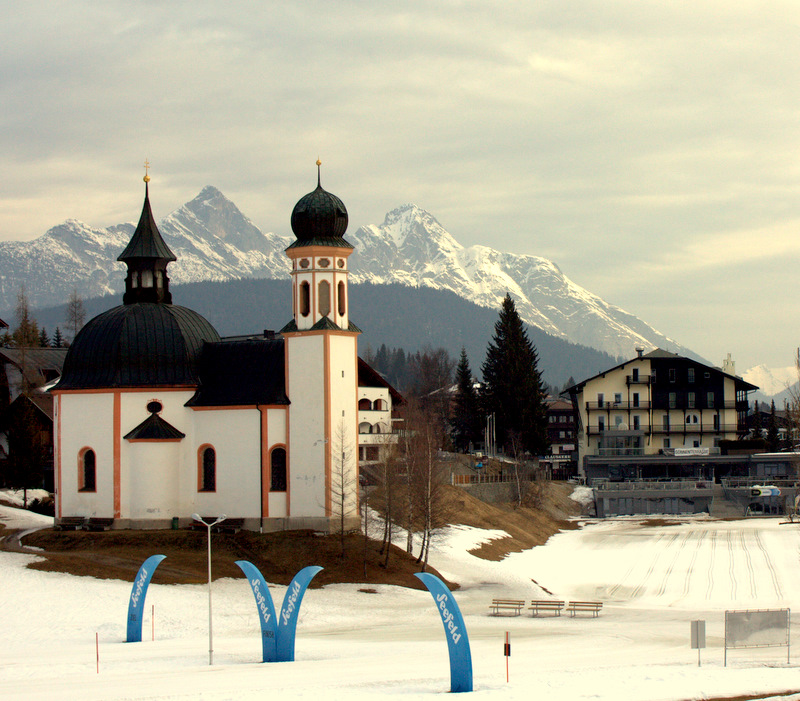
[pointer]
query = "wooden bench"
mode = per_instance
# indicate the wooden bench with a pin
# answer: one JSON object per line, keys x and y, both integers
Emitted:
{"x": 592, "y": 606}
{"x": 229, "y": 525}
{"x": 99, "y": 524}
{"x": 70, "y": 523}
{"x": 546, "y": 605}
{"x": 511, "y": 606}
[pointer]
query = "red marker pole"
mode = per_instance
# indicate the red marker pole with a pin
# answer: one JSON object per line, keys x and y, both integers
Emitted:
{"x": 153, "y": 621}
{"x": 97, "y": 648}
{"x": 507, "y": 653}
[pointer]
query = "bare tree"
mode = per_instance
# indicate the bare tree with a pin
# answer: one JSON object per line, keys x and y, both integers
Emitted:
{"x": 76, "y": 314}
{"x": 344, "y": 482}
{"x": 518, "y": 460}
{"x": 427, "y": 475}
{"x": 389, "y": 483}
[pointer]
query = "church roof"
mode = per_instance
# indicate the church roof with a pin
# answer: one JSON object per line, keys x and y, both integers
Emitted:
{"x": 324, "y": 324}
{"x": 146, "y": 241}
{"x": 135, "y": 345}
{"x": 241, "y": 373}
{"x": 154, "y": 428}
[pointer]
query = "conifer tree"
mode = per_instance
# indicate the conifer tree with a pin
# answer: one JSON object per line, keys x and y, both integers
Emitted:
{"x": 44, "y": 339}
{"x": 27, "y": 332}
{"x": 513, "y": 389}
{"x": 772, "y": 429}
{"x": 465, "y": 422}
{"x": 58, "y": 339}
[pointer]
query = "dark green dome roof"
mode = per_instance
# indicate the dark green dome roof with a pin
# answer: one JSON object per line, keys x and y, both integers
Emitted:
{"x": 319, "y": 217}
{"x": 144, "y": 344}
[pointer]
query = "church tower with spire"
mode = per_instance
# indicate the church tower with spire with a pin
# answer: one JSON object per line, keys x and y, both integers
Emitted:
{"x": 321, "y": 353}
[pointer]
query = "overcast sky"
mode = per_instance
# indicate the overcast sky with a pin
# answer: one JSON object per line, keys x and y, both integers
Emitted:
{"x": 649, "y": 148}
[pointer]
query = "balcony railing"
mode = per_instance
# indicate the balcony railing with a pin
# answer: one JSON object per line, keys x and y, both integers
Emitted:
{"x": 611, "y": 406}
{"x": 678, "y": 428}
{"x": 619, "y": 452}
{"x": 640, "y": 379}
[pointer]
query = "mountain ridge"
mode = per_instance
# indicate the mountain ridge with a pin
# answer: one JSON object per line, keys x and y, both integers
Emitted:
{"x": 214, "y": 240}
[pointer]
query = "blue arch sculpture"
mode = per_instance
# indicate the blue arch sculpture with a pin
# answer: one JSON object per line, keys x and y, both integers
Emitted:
{"x": 454, "y": 631}
{"x": 138, "y": 594}
{"x": 278, "y": 632}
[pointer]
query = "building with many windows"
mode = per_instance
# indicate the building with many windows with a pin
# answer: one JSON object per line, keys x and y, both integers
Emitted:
{"x": 656, "y": 405}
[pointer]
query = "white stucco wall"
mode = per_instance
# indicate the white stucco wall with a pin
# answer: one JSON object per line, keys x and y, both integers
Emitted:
{"x": 86, "y": 420}
{"x": 307, "y": 428}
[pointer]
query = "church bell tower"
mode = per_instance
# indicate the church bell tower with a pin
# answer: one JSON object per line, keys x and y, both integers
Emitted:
{"x": 322, "y": 360}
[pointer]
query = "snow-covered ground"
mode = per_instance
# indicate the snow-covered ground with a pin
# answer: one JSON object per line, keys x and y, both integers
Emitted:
{"x": 653, "y": 579}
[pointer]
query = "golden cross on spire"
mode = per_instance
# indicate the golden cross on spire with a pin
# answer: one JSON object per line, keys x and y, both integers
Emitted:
{"x": 146, "y": 168}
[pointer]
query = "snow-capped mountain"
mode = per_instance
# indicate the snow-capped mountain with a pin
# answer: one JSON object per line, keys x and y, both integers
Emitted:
{"x": 213, "y": 240}
{"x": 412, "y": 248}
{"x": 771, "y": 381}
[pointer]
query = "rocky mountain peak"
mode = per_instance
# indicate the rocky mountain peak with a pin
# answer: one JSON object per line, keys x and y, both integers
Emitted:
{"x": 213, "y": 240}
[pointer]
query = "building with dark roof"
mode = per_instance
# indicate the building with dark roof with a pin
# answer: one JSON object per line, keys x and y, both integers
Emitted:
{"x": 654, "y": 433}
{"x": 159, "y": 418}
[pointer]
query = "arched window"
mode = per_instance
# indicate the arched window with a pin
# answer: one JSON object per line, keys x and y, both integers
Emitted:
{"x": 87, "y": 471}
{"x": 278, "y": 470}
{"x": 364, "y": 428}
{"x": 364, "y": 405}
{"x": 342, "y": 306}
{"x": 206, "y": 469}
{"x": 324, "y": 298}
{"x": 377, "y": 428}
{"x": 305, "y": 298}
{"x": 380, "y": 405}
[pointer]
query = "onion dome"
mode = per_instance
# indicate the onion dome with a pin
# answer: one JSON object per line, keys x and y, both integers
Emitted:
{"x": 320, "y": 218}
{"x": 135, "y": 345}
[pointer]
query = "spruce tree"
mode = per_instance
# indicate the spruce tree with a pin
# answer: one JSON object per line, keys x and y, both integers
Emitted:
{"x": 772, "y": 429}
{"x": 27, "y": 332}
{"x": 44, "y": 339}
{"x": 465, "y": 420}
{"x": 58, "y": 339}
{"x": 513, "y": 389}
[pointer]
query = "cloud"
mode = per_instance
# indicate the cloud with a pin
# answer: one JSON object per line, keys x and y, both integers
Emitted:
{"x": 629, "y": 137}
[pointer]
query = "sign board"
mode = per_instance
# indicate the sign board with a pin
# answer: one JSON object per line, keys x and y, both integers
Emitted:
{"x": 765, "y": 491}
{"x": 698, "y": 635}
{"x": 757, "y": 628}
{"x": 684, "y": 452}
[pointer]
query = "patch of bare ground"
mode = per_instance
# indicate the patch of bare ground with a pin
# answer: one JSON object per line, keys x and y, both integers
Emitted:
{"x": 119, "y": 554}
{"x": 546, "y": 509}
{"x": 279, "y": 556}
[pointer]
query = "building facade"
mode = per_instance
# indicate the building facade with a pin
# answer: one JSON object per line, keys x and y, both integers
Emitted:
{"x": 657, "y": 404}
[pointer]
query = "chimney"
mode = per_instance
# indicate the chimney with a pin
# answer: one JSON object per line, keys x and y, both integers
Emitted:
{"x": 639, "y": 352}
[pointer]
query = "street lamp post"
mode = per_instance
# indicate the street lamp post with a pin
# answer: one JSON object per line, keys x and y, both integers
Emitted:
{"x": 209, "y": 526}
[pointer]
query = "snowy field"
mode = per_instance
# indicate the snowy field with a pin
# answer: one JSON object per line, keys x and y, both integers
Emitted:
{"x": 653, "y": 579}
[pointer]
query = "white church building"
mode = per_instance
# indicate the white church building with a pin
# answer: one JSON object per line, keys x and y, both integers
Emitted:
{"x": 158, "y": 418}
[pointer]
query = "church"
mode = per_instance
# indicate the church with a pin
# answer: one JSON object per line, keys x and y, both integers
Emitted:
{"x": 158, "y": 418}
